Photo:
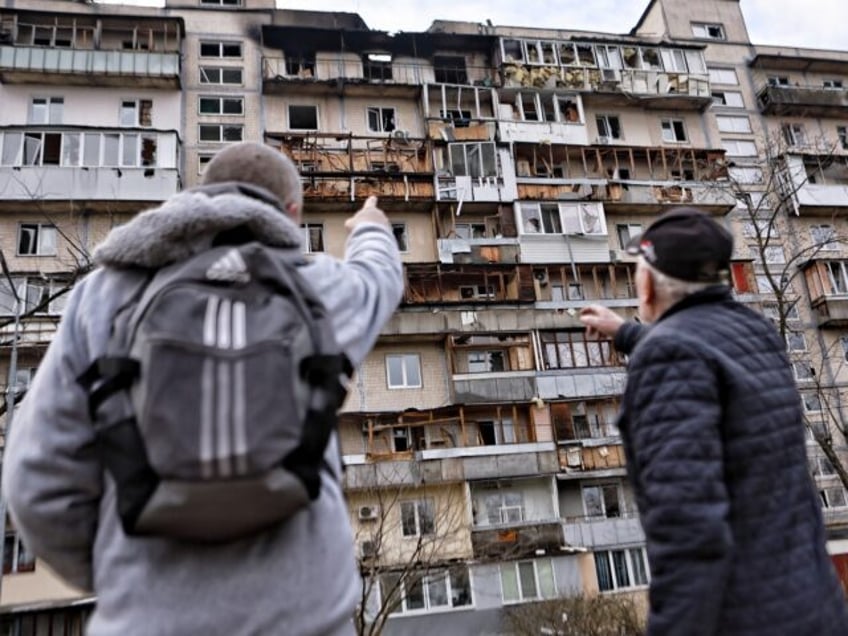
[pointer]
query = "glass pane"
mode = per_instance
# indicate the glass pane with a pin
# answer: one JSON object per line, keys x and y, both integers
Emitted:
{"x": 91, "y": 149}
{"x": 611, "y": 502}
{"x": 622, "y": 576}
{"x": 475, "y": 169}
{"x": 32, "y": 149}
{"x": 70, "y": 149}
{"x": 592, "y": 500}
{"x": 437, "y": 590}
{"x": 389, "y": 592}
{"x": 232, "y": 133}
{"x": 47, "y": 240}
{"x": 546, "y": 578}
{"x": 602, "y": 568}
{"x": 130, "y": 153}
{"x": 457, "y": 160}
{"x": 426, "y": 517}
{"x": 394, "y": 370}
{"x": 640, "y": 572}
{"x": 460, "y": 587}
{"x": 490, "y": 168}
{"x": 413, "y": 373}
{"x": 527, "y": 577}
{"x": 128, "y": 114}
{"x": 233, "y": 107}
{"x": 210, "y": 105}
{"x": 407, "y": 519}
{"x": 110, "y": 150}
{"x": 509, "y": 583}
{"x": 231, "y": 76}
{"x": 11, "y": 148}
{"x": 414, "y": 594}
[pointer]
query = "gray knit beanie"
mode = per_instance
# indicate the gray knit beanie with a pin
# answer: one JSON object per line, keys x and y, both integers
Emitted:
{"x": 259, "y": 165}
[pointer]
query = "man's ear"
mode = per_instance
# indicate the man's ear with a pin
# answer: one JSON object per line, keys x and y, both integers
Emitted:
{"x": 293, "y": 210}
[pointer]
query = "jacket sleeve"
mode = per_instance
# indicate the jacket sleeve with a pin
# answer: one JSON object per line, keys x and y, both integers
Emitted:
{"x": 362, "y": 291}
{"x": 674, "y": 419}
{"x": 628, "y": 336}
{"x": 51, "y": 476}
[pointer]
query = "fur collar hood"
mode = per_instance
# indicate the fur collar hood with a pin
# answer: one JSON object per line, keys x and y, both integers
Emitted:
{"x": 187, "y": 223}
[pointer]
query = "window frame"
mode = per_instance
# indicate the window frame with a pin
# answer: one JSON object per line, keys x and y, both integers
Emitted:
{"x": 701, "y": 31}
{"x": 306, "y": 230}
{"x": 675, "y": 126}
{"x": 523, "y": 595}
{"x": 400, "y": 230}
{"x": 423, "y": 518}
{"x": 222, "y": 46}
{"x": 723, "y": 102}
{"x": 221, "y": 136}
{"x": 220, "y": 99}
{"x": 740, "y": 147}
{"x": 53, "y": 107}
{"x": 450, "y": 576}
{"x": 405, "y": 383}
{"x": 204, "y": 72}
{"x": 316, "y": 111}
{"x": 719, "y": 75}
{"x": 632, "y": 572}
{"x": 40, "y": 230}
{"x": 601, "y": 486}
{"x": 380, "y": 112}
{"x": 612, "y": 124}
{"x": 22, "y": 559}
{"x": 824, "y": 244}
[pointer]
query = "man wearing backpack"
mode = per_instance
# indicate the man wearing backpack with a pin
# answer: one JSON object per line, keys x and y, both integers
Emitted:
{"x": 293, "y": 576}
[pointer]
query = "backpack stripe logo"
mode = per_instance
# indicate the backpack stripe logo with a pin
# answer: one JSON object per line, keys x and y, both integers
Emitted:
{"x": 223, "y": 408}
{"x": 230, "y": 267}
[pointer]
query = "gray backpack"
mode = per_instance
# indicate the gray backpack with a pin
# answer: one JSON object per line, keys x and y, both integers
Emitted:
{"x": 217, "y": 395}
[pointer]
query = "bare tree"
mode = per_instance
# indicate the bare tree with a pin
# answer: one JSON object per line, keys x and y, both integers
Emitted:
{"x": 600, "y": 615}
{"x": 767, "y": 210}
{"x": 409, "y": 538}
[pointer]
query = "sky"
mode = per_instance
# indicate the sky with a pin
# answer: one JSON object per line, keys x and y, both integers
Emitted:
{"x": 802, "y": 23}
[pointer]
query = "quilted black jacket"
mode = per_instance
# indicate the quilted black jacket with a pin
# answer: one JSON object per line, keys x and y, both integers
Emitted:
{"x": 712, "y": 430}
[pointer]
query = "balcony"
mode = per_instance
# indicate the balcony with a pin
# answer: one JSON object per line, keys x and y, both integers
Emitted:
{"x": 341, "y": 167}
{"x": 517, "y": 541}
{"x": 817, "y": 184}
{"x": 438, "y": 284}
{"x": 595, "y": 458}
{"x": 36, "y": 331}
{"x": 39, "y": 65}
{"x": 650, "y": 77}
{"x": 650, "y": 197}
{"x": 358, "y": 61}
{"x": 571, "y": 383}
{"x": 803, "y": 101}
{"x": 58, "y": 163}
{"x": 511, "y": 386}
{"x": 828, "y": 287}
{"x": 604, "y": 532}
{"x": 478, "y": 250}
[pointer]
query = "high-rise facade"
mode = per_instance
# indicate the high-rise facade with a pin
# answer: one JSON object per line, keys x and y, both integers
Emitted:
{"x": 484, "y": 468}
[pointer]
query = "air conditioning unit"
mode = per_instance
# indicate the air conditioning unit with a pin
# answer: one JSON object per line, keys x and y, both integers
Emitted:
{"x": 368, "y": 549}
{"x": 368, "y": 513}
{"x": 401, "y": 136}
{"x": 603, "y": 139}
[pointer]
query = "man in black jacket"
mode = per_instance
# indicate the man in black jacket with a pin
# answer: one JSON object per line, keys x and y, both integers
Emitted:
{"x": 713, "y": 433}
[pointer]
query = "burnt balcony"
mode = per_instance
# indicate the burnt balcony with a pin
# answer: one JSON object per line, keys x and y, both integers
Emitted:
{"x": 518, "y": 540}
{"x": 827, "y": 282}
{"x": 358, "y": 61}
{"x": 479, "y": 250}
{"x": 594, "y": 458}
{"x": 86, "y": 50}
{"x": 460, "y": 112}
{"x": 342, "y": 168}
{"x": 803, "y": 101}
{"x": 649, "y": 77}
{"x": 438, "y": 284}
{"x": 60, "y": 163}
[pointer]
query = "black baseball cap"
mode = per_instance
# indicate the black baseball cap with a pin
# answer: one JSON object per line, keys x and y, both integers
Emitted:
{"x": 686, "y": 244}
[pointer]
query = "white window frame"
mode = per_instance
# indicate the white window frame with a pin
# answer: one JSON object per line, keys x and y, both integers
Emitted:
{"x": 796, "y": 342}
{"x": 802, "y": 370}
{"x": 426, "y": 583}
{"x": 221, "y": 46}
{"x": 626, "y": 232}
{"x": 514, "y": 568}
{"x": 574, "y": 218}
{"x": 794, "y": 134}
{"x": 306, "y": 230}
{"x": 833, "y": 497}
{"x": 777, "y": 80}
{"x": 746, "y": 175}
{"x": 312, "y": 106}
{"x": 674, "y": 127}
{"x": 824, "y": 236}
{"x": 406, "y": 359}
{"x": 728, "y": 99}
{"x": 726, "y": 76}
{"x": 600, "y": 486}
{"x": 811, "y": 402}
{"x": 473, "y": 153}
{"x": 740, "y": 147}
{"x": 422, "y": 510}
{"x": 52, "y": 109}
{"x": 708, "y": 31}
{"x": 22, "y": 559}
{"x": 220, "y": 100}
{"x": 733, "y": 124}
{"x": 221, "y": 70}
{"x": 221, "y": 128}
{"x": 842, "y": 136}
{"x": 832, "y": 84}
{"x": 46, "y": 239}
{"x": 380, "y": 113}
{"x": 632, "y": 571}
{"x": 605, "y": 128}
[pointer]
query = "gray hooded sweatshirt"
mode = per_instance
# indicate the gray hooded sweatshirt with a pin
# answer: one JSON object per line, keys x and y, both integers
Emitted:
{"x": 299, "y": 578}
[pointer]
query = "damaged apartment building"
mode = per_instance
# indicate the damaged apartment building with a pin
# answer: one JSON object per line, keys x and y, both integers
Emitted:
{"x": 484, "y": 467}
